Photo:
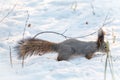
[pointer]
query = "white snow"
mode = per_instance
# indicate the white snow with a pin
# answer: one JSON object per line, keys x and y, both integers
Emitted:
{"x": 57, "y": 16}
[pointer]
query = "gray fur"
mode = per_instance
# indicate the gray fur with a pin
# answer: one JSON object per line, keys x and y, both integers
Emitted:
{"x": 64, "y": 49}
{"x": 75, "y": 47}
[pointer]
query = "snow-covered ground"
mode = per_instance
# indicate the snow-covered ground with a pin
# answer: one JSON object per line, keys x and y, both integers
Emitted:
{"x": 78, "y": 17}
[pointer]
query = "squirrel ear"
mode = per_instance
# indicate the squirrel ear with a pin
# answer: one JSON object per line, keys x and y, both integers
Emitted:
{"x": 101, "y": 34}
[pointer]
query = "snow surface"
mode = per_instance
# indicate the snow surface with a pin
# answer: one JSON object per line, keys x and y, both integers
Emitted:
{"x": 57, "y": 15}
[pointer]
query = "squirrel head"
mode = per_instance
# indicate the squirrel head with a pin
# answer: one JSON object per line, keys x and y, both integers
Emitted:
{"x": 101, "y": 44}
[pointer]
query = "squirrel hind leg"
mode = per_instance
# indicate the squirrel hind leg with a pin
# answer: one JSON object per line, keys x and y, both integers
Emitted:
{"x": 62, "y": 57}
{"x": 64, "y": 52}
{"x": 89, "y": 56}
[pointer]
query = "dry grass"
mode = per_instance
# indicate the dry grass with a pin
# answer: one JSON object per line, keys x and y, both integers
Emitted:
{"x": 109, "y": 62}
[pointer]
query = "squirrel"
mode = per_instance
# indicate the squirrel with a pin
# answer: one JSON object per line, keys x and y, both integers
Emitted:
{"x": 65, "y": 49}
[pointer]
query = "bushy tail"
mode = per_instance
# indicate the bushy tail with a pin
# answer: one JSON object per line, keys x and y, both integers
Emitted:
{"x": 29, "y": 47}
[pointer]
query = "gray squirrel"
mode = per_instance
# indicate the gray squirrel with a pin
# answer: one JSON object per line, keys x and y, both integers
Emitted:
{"x": 65, "y": 49}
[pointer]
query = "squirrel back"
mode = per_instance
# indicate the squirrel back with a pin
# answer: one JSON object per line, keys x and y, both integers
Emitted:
{"x": 29, "y": 47}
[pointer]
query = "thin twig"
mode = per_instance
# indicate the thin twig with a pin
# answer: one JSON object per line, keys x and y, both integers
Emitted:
{"x": 23, "y": 62}
{"x": 111, "y": 64}
{"x": 109, "y": 60}
{"x": 108, "y": 22}
{"x": 92, "y": 9}
{"x": 105, "y": 67}
{"x": 106, "y": 61}
{"x": 51, "y": 32}
{"x": 113, "y": 36}
{"x": 86, "y": 35}
{"x": 111, "y": 69}
{"x": 62, "y": 34}
{"x": 26, "y": 22}
{"x": 104, "y": 23}
{"x": 106, "y": 17}
{"x": 11, "y": 57}
{"x": 8, "y": 13}
{"x": 8, "y": 36}
{"x": 65, "y": 31}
